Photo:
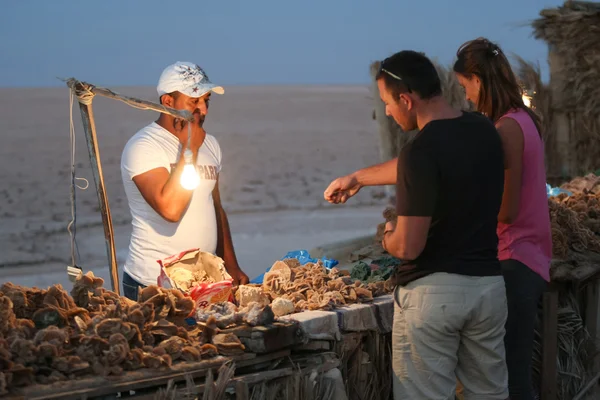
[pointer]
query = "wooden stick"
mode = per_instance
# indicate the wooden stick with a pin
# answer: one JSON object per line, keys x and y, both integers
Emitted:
{"x": 84, "y": 87}
{"x": 89, "y": 127}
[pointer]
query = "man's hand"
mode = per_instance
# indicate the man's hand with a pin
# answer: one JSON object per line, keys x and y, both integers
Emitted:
{"x": 390, "y": 227}
{"x": 198, "y": 133}
{"x": 239, "y": 277}
{"x": 225, "y": 243}
{"x": 341, "y": 189}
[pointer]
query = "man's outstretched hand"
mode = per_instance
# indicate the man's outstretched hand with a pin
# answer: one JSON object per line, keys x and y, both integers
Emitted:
{"x": 341, "y": 189}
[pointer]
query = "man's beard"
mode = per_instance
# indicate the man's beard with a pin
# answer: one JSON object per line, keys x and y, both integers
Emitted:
{"x": 200, "y": 119}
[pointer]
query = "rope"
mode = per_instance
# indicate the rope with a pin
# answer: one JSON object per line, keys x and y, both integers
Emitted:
{"x": 189, "y": 135}
{"x": 72, "y": 227}
{"x": 85, "y": 96}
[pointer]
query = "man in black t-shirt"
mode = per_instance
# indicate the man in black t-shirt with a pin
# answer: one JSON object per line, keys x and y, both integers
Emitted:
{"x": 450, "y": 300}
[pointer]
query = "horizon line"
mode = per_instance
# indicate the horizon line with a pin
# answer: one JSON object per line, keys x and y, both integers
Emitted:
{"x": 58, "y": 85}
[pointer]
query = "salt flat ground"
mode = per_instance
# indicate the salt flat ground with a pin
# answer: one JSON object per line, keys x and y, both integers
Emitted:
{"x": 281, "y": 146}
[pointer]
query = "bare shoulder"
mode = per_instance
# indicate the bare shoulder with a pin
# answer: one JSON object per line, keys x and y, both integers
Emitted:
{"x": 513, "y": 141}
{"x": 509, "y": 128}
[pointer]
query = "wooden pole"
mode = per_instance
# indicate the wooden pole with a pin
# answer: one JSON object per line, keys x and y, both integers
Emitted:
{"x": 83, "y": 88}
{"x": 565, "y": 164}
{"x": 89, "y": 127}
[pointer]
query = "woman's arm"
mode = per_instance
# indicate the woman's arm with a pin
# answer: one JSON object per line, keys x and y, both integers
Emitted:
{"x": 512, "y": 143}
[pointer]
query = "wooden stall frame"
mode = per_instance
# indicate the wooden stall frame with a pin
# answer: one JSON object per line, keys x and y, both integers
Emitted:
{"x": 97, "y": 387}
{"x": 85, "y": 93}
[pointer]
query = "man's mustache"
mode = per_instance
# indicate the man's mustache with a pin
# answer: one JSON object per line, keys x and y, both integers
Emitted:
{"x": 179, "y": 124}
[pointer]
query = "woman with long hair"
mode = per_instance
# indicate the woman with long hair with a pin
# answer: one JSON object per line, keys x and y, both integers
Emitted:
{"x": 524, "y": 232}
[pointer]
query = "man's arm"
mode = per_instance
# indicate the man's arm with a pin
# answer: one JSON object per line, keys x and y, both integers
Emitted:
{"x": 512, "y": 144}
{"x": 225, "y": 243}
{"x": 145, "y": 163}
{"x": 417, "y": 191}
{"x": 159, "y": 187}
{"x": 163, "y": 191}
{"x": 377, "y": 175}
{"x": 341, "y": 189}
{"x": 406, "y": 238}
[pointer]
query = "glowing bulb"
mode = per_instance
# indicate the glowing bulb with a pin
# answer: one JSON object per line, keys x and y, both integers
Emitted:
{"x": 189, "y": 176}
{"x": 526, "y": 100}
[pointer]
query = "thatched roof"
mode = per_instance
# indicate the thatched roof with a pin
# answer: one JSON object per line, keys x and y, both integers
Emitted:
{"x": 573, "y": 33}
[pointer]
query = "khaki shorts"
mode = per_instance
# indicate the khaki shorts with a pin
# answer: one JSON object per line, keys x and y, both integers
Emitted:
{"x": 449, "y": 327}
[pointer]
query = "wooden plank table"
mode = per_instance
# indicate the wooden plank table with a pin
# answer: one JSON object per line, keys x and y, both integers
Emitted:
{"x": 270, "y": 338}
{"x": 135, "y": 380}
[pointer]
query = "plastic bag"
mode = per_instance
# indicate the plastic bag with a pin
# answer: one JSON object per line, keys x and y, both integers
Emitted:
{"x": 205, "y": 293}
{"x": 555, "y": 191}
{"x": 304, "y": 258}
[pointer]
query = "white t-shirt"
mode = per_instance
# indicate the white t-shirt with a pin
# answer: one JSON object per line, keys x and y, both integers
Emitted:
{"x": 153, "y": 237}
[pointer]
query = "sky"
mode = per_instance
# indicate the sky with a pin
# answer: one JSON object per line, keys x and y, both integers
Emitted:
{"x": 253, "y": 42}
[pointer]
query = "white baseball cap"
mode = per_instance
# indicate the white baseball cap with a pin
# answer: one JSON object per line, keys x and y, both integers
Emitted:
{"x": 187, "y": 78}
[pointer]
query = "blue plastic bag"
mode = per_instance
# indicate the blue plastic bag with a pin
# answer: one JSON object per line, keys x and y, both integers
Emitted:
{"x": 554, "y": 191}
{"x": 303, "y": 257}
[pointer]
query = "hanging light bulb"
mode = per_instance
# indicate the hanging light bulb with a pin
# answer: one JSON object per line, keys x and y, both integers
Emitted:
{"x": 528, "y": 97}
{"x": 527, "y": 100}
{"x": 189, "y": 177}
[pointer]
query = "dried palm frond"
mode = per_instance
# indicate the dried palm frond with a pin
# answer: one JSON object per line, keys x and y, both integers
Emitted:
{"x": 573, "y": 34}
{"x": 572, "y": 31}
{"x": 172, "y": 393}
{"x": 452, "y": 91}
{"x": 216, "y": 390}
{"x": 576, "y": 349}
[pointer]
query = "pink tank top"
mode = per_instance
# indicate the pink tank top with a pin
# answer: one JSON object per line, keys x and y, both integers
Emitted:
{"x": 529, "y": 238}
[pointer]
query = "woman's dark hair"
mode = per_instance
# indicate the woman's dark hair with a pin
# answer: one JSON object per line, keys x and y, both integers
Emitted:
{"x": 500, "y": 91}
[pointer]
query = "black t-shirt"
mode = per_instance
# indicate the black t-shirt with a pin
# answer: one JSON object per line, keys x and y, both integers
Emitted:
{"x": 453, "y": 172}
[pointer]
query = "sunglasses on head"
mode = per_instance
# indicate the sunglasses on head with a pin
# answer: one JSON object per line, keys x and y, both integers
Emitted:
{"x": 382, "y": 69}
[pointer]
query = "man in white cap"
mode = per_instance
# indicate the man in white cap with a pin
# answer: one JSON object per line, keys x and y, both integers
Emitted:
{"x": 167, "y": 218}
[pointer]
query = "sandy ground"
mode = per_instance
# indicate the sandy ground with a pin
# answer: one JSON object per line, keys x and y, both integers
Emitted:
{"x": 281, "y": 145}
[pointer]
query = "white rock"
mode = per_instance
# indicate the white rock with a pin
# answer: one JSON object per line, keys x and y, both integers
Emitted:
{"x": 248, "y": 294}
{"x": 282, "y": 307}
